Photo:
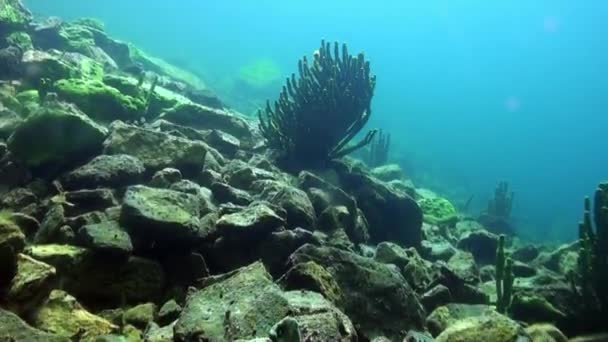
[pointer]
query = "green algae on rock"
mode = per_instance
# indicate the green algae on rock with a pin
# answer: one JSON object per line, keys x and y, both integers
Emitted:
{"x": 157, "y": 150}
{"x": 20, "y": 39}
{"x": 100, "y": 101}
{"x": 15, "y": 329}
{"x": 57, "y": 134}
{"x": 437, "y": 210}
{"x": 13, "y": 14}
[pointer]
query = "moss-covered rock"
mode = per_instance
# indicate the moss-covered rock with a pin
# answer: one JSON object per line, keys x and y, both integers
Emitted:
{"x": 99, "y": 101}
{"x": 20, "y": 39}
{"x": 490, "y": 326}
{"x": 29, "y": 100}
{"x": 313, "y": 277}
{"x": 61, "y": 314}
{"x": 102, "y": 279}
{"x": 376, "y": 297}
{"x": 13, "y": 328}
{"x": 140, "y": 315}
{"x": 437, "y": 210}
{"x": 246, "y": 304}
{"x": 160, "y": 216}
{"x": 32, "y": 283}
{"x": 13, "y": 15}
{"x": 156, "y": 150}
{"x": 56, "y": 134}
{"x": 388, "y": 172}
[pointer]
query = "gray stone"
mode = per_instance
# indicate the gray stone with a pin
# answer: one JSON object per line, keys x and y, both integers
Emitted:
{"x": 162, "y": 216}
{"x": 112, "y": 171}
{"x": 257, "y": 220}
{"x": 106, "y": 237}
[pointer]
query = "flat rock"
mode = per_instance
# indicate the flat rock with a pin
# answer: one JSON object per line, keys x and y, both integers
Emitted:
{"x": 163, "y": 216}
{"x": 254, "y": 221}
{"x": 202, "y": 117}
{"x": 106, "y": 237}
{"x": 156, "y": 150}
{"x": 112, "y": 171}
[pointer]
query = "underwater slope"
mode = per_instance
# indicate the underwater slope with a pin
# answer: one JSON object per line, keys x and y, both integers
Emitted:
{"x": 135, "y": 206}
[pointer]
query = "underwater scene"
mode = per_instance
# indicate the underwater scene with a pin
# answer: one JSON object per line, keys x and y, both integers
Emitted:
{"x": 290, "y": 171}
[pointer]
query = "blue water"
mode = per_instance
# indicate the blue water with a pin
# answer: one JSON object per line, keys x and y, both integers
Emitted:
{"x": 472, "y": 91}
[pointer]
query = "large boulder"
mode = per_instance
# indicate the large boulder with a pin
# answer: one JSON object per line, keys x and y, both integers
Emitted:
{"x": 376, "y": 297}
{"x": 100, "y": 101}
{"x": 156, "y": 150}
{"x": 247, "y": 304}
{"x": 161, "y": 217}
{"x": 392, "y": 215}
{"x": 33, "y": 281}
{"x": 55, "y": 136}
{"x": 113, "y": 171}
{"x": 13, "y": 15}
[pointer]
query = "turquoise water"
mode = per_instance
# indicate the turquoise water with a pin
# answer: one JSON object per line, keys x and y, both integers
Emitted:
{"x": 473, "y": 92}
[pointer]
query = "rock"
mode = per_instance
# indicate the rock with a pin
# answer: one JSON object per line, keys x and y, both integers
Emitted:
{"x": 18, "y": 198}
{"x": 489, "y": 327}
{"x": 525, "y": 253}
{"x": 15, "y": 329}
{"x": 435, "y": 297}
{"x": 106, "y": 237}
{"x": 481, "y": 244}
{"x": 88, "y": 200}
{"x": 201, "y": 117}
{"x": 387, "y": 173}
{"x": 246, "y": 304}
{"x": 444, "y": 316}
{"x": 165, "y": 177}
{"x": 253, "y": 222}
{"x": 437, "y": 210}
{"x": 204, "y": 195}
{"x": 47, "y": 66}
{"x": 13, "y": 15}
{"x": 113, "y": 171}
{"x": 300, "y": 212}
{"x": 20, "y": 40}
{"x": 154, "y": 333}
{"x": 391, "y": 253}
{"x": 313, "y": 277}
{"x": 463, "y": 264}
{"x": 286, "y": 330}
{"x": 9, "y": 121}
{"x": 521, "y": 270}
{"x": 10, "y": 62}
{"x": 224, "y": 142}
{"x": 55, "y": 136}
{"x": 395, "y": 307}
{"x": 224, "y": 193}
{"x": 545, "y": 333}
{"x": 140, "y": 315}
{"x": 162, "y": 216}
{"x": 169, "y": 312}
{"x": 156, "y": 150}
{"x": 392, "y": 215}
{"x": 61, "y": 314}
{"x": 278, "y": 246}
{"x": 461, "y": 288}
{"x": 32, "y": 282}
{"x": 102, "y": 279}
{"x": 562, "y": 260}
{"x": 50, "y": 227}
{"x": 12, "y": 242}
{"x": 185, "y": 268}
